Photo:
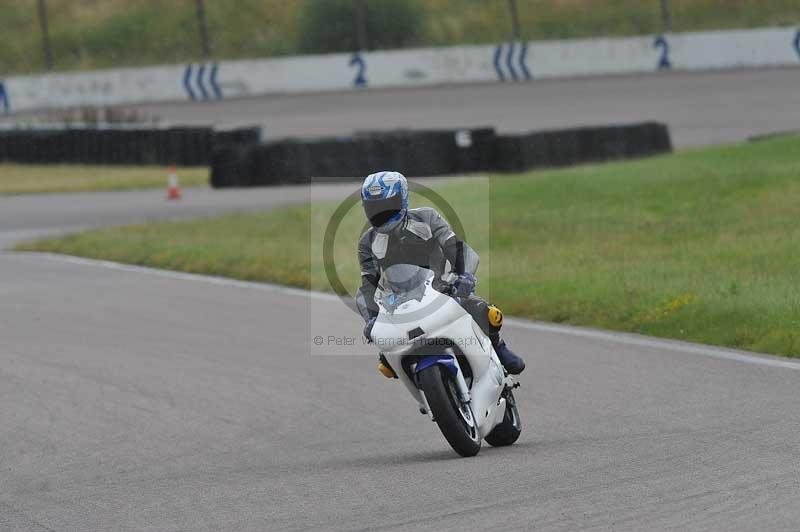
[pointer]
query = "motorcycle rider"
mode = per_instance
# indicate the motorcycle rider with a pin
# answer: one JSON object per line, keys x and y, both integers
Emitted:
{"x": 420, "y": 236}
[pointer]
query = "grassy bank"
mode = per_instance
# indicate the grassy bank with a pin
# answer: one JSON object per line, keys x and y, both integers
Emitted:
{"x": 699, "y": 246}
{"x": 86, "y": 34}
{"x": 31, "y": 179}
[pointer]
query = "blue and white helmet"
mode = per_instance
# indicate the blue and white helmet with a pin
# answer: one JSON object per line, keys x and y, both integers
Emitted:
{"x": 385, "y": 199}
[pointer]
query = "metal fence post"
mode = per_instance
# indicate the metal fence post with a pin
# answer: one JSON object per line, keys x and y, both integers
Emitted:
{"x": 360, "y": 23}
{"x": 512, "y": 6}
{"x": 205, "y": 45}
{"x": 666, "y": 17}
{"x": 48, "y": 52}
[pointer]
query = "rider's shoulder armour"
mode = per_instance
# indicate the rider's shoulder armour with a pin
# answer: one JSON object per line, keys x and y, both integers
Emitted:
{"x": 420, "y": 220}
{"x": 421, "y": 229}
{"x": 380, "y": 244}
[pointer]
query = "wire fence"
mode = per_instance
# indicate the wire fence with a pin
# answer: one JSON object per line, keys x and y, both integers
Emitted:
{"x": 37, "y": 35}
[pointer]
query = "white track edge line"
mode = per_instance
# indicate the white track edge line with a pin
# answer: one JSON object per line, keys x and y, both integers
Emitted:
{"x": 567, "y": 330}
{"x": 655, "y": 343}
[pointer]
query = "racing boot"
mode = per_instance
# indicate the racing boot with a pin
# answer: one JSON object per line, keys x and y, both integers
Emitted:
{"x": 513, "y": 364}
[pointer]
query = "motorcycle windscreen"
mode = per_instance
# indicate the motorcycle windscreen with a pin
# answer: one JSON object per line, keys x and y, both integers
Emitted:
{"x": 403, "y": 282}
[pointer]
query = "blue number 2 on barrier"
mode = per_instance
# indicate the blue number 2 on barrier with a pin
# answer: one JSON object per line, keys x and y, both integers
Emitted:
{"x": 358, "y": 61}
{"x": 4, "y": 100}
{"x": 661, "y": 43}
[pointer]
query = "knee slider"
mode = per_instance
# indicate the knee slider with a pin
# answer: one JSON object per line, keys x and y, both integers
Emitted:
{"x": 495, "y": 316}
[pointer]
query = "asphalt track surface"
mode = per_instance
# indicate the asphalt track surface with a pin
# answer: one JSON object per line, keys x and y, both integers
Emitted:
{"x": 132, "y": 400}
{"x": 701, "y": 108}
{"x": 137, "y": 400}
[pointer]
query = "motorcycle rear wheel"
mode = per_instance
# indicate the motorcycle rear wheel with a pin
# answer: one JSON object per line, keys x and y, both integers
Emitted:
{"x": 454, "y": 419}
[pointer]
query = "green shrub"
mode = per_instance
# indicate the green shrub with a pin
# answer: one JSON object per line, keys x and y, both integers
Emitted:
{"x": 329, "y": 26}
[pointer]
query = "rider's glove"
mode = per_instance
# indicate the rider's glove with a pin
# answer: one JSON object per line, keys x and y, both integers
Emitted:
{"x": 368, "y": 330}
{"x": 464, "y": 285}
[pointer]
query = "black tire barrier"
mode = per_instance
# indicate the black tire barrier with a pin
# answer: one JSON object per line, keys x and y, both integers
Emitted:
{"x": 474, "y": 150}
{"x": 233, "y": 166}
{"x": 430, "y": 152}
{"x": 119, "y": 145}
{"x": 418, "y": 153}
{"x": 336, "y": 157}
{"x": 517, "y": 153}
{"x": 656, "y": 137}
{"x": 238, "y": 159}
{"x": 238, "y": 136}
{"x": 564, "y": 147}
{"x": 281, "y": 162}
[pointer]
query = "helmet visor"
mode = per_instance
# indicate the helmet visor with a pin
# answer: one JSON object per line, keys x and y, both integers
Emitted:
{"x": 380, "y": 211}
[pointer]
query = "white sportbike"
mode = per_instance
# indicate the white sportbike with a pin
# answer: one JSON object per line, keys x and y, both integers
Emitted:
{"x": 445, "y": 360}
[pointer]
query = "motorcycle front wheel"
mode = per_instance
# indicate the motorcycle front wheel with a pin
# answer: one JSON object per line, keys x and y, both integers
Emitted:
{"x": 454, "y": 419}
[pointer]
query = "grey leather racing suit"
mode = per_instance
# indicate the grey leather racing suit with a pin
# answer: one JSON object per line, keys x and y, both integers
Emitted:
{"x": 424, "y": 239}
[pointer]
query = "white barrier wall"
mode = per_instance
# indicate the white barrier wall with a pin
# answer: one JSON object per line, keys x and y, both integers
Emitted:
{"x": 502, "y": 63}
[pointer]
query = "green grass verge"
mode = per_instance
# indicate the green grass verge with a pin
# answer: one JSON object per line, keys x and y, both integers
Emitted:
{"x": 88, "y": 34}
{"x": 31, "y": 179}
{"x": 701, "y": 245}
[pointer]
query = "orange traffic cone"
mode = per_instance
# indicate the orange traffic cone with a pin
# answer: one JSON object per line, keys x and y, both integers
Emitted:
{"x": 173, "y": 187}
